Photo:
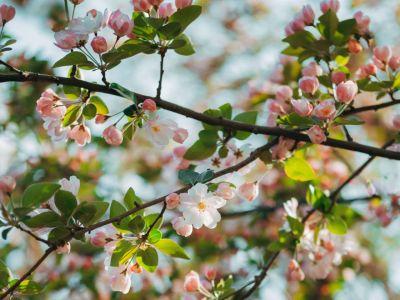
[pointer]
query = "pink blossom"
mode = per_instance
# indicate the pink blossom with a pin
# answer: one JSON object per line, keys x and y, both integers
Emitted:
{"x": 309, "y": 84}
{"x": 383, "y": 54}
{"x": 67, "y": 39}
{"x": 141, "y": 5}
{"x": 182, "y": 227}
{"x": 55, "y": 129}
{"x": 396, "y": 122}
{"x": 333, "y": 5}
{"x": 183, "y": 3}
{"x": 367, "y": 70}
{"x": 308, "y": 15}
{"x": 192, "y": 282}
{"x": 294, "y": 272}
{"x": 136, "y": 268}
{"x": 363, "y": 22}
{"x": 302, "y": 107}
{"x": 149, "y": 105}
{"x": 297, "y": 24}
{"x": 312, "y": 70}
{"x": 65, "y": 249}
{"x": 155, "y": 2}
{"x": 180, "y": 135}
{"x": 338, "y": 77}
{"x": 77, "y": 2}
{"x": 101, "y": 119}
{"x": 172, "y": 200}
{"x": 166, "y": 10}
{"x": 80, "y": 134}
{"x": 325, "y": 110}
{"x": 160, "y": 131}
{"x": 7, "y": 184}
{"x": 354, "y": 46}
{"x": 113, "y": 136}
{"x": 120, "y": 23}
{"x": 225, "y": 191}
{"x": 179, "y": 151}
{"x": 282, "y": 149}
{"x": 210, "y": 273}
{"x": 284, "y": 93}
{"x": 288, "y": 30}
{"x": 346, "y": 91}
{"x": 248, "y": 191}
{"x": 99, "y": 44}
{"x": 316, "y": 134}
{"x": 394, "y": 62}
{"x": 99, "y": 239}
{"x": 49, "y": 105}
{"x": 7, "y": 13}
{"x": 120, "y": 281}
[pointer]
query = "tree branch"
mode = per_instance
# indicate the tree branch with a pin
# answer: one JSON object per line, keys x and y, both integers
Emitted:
{"x": 274, "y": 131}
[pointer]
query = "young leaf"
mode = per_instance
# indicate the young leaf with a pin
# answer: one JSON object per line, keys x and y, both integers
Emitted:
{"x": 171, "y": 248}
{"x": 89, "y": 111}
{"x": 148, "y": 259}
{"x": 155, "y": 235}
{"x": 182, "y": 45}
{"x": 27, "y": 287}
{"x": 186, "y": 16}
{"x": 199, "y": 151}
{"x": 4, "y": 274}
{"x": 249, "y": 117}
{"x": 73, "y": 58}
{"x": 337, "y": 225}
{"x": 131, "y": 200}
{"x": 137, "y": 224}
{"x": 101, "y": 107}
{"x": 123, "y": 252}
{"x": 45, "y": 219}
{"x": 149, "y": 220}
{"x": 66, "y": 202}
{"x": 299, "y": 169}
{"x": 38, "y": 193}
{"x": 73, "y": 113}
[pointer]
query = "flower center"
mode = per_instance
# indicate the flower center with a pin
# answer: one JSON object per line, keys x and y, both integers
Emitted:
{"x": 156, "y": 128}
{"x": 201, "y": 206}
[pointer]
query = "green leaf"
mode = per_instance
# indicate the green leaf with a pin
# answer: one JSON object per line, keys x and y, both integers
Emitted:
{"x": 208, "y": 137}
{"x": 89, "y": 212}
{"x": 117, "y": 209}
{"x": 337, "y": 225}
{"x": 38, "y": 193}
{"x": 5, "y": 274}
{"x": 206, "y": 176}
{"x": 347, "y": 27}
{"x": 123, "y": 252}
{"x": 72, "y": 92}
{"x": 350, "y": 120}
{"x": 188, "y": 176}
{"x": 73, "y": 114}
{"x": 249, "y": 117}
{"x": 65, "y": 202}
{"x": 125, "y": 93}
{"x": 89, "y": 111}
{"x": 148, "y": 259}
{"x": 131, "y": 200}
{"x": 136, "y": 225}
{"x": 299, "y": 169}
{"x": 101, "y": 107}
{"x": 302, "y": 39}
{"x": 328, "y": 24}
{"x": 226, "y": 111}
{"x": 294, "y": 119}
{"x": 169, "y": 31}
{"x": 46, "y": 219}
{"x": 182, "y": 45}
{"x": 186, "y": 16}
{"x": 296, "y": 226}
{"x": 396, "y": 82}
{"x": 73, "y": 58}
{"x": 149, "y": 220}
{"x": 27, "y": 287}
{"x": 58, "y": 233}
{"x": 200, "y": 151}
{"x": 155, "y": 235}
{"x": 317, "y": 199}
{"x": 275, "y": 246}
{"x": 171, "y": 248}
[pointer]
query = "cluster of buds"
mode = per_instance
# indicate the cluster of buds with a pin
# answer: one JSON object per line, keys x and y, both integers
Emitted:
{"x": 163, "y": 9}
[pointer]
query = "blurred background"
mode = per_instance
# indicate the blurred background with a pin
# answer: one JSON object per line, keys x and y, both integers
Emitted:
{"x": 237, "y": 49}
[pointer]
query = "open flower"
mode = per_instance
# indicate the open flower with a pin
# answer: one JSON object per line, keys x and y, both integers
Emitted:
{"x": 325, "y": 110}
{"x": 199, "y": 207}
{"x": 160, "y": 131}
{"x": 80, "y": 134}
{"x": 120, "y": 23}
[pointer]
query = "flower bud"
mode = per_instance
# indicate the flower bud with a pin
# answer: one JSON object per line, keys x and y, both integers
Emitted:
{"x": 248, "y": 191}
{"x": 99, "y": 239}
{"x": 325, "y": 110}
{"x": 101, "y": 119}
{"x": 316, "y": 134}
{"x": 120, "y": 23}
{"x": 354, "y": 46}
{"x": 346, "y": 91}
{"x": 172, "y": 200}
{"x": 113, "y": 136}
{"x": 7, "y": 13}
{"x": 394, "y": 62}
{"x": 383, "y": 53}
{"x": 99, "y": 45}
{"x": 313, "y": 70}
{"x": 7, "y": 184}
{"x": 166, "y": 10}
{"x": 332, "y": 5}
{"x": 284, "y": 93}
{"x": 182, "y": 3}
{"x": 309, "y": 84}
{"x": 338, "y": 77}
{"x": 302, "y": 107}
{"x": 182, "y": 227}
{"x": 225, "y": 191}
{"x": 308, "y": 15}
{"x": 192, "y": 282}
{"x": 210, "y": 273}
{"x": 180, "y": 135}
{"x": 149, "y": 105}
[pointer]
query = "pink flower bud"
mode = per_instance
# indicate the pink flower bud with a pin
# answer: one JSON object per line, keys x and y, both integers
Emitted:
{"x": 99, "y": 45}
{"x": 120, "y": 23}
{"x": 309, "y": 84}
{"x": 182, "y": 227}
{"x": 281, "y": 150}
{"x": 121, "y": 282}
{"x": 180, "y": 135}
{"x": 383, "y": 53}
{"x": 312, "y": 70}
{"x": 302, "y": 107}
{"x": 155, "y": 2}
{"x": 396, "y": 123}
{"x": 101, "y": 119}
{"x": 284, "y": 93}
{"x": 77, "y": 2}
{"x": 67, "y": 39}
{"x": 295, "y": 273}
{"x": 166, "y": 10}
{"x": 7, "y": 13}
{"x": 80, "y": 134}
{"x": 297, "y": 24}
{"x": 64, "y": 249}
{"x": 225, "y": 191}
{"x": 325, "y": 110}
{"x": 363, "y": 22}
{"x": 354, "y": 46}
{"x": 346, "y": 91}
{"x": 248, "y": 191}
{"x": 338, "y": 77}
{"x": 192, "y": 282}
{"x": 99, "y": 239}
{"x": 7, "y": 184}
{"x": 49, "y": 105}
{"x": 367, "y": 70}
{"x": 288, "y": 30}
{"x": 332, "y": 5}
{"x": 316, "y": 135}
{"x": 113, "y": 136}
{"x": 172, "y": 200}
{"x": 183, "y": 3}
{"x": 141, "y": 5}
{"x": 210, "y": 273}
{"x": 308, "y": 15}
{"x": 394, "y": 62}
{"x": 179, "y": 151}
{"x": 149, "y": 105}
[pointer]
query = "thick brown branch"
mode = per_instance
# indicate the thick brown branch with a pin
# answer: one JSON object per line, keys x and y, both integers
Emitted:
{"x": 274, "y": 131}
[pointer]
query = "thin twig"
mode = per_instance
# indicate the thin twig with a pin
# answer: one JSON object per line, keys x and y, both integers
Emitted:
{"x": 162, "y": 52}
{"x": 31, "y": 234}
